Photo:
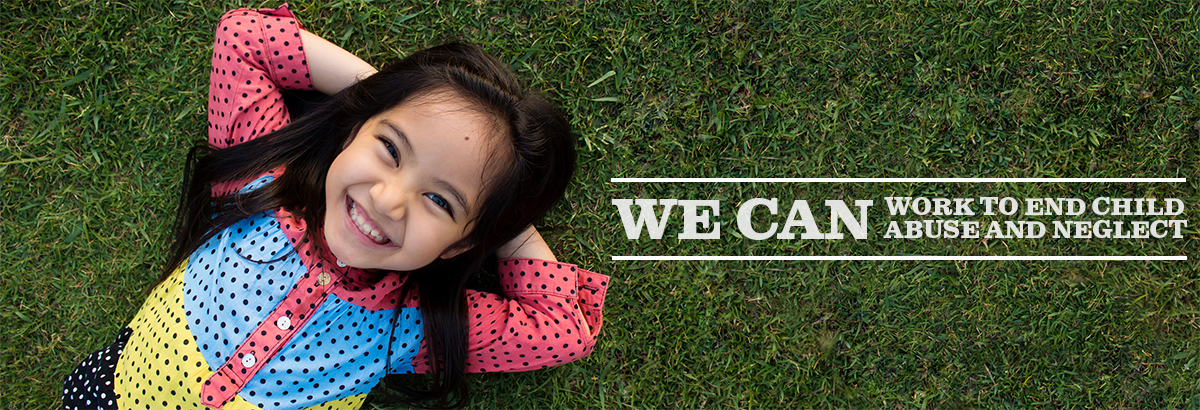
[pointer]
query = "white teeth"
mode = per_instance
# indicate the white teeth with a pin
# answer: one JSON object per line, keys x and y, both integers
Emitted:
{"x": 365, "y": 227}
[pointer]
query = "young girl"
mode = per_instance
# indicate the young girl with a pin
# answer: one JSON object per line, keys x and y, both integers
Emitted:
{"x": 312, "y": 259}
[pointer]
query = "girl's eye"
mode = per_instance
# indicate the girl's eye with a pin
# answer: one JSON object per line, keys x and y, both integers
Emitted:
{"x": 442, "y": 202}
{"x": 391, "y": 149}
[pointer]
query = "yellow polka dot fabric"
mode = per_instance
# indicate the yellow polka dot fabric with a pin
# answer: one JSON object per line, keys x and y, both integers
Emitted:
{"x": 257, "y": 318}
{"x": 162, "y": 368}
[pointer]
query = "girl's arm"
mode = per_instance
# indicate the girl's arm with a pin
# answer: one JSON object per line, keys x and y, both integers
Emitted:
{"x": 549, "y": 314}
{"x": 256, "y": 53}
{"x": 528, "y": 244}
{"x": 331, "y": 67}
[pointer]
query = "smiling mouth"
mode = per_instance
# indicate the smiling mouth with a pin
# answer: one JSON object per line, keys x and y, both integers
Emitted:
{"x": 365, "y": 226}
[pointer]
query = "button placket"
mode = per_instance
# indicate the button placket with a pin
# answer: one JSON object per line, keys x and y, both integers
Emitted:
{"x": 268, "y": 338}
{"x": 248, "y": 360}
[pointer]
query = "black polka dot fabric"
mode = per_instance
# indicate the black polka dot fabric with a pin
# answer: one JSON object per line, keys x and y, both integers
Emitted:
{"x": 549, "y": 315}
{"x": 256, "y": 55}
{"x": 259, "y": 318}
{"x": 90, "y": 386}
{"x": 313, "y": 345}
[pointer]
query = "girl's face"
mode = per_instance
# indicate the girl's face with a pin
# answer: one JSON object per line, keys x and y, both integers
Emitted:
{"x": 401, "y": 193}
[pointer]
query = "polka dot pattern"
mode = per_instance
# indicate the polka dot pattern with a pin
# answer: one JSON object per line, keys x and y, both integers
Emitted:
{"x": 90, "y": 386}
{"x": 256, "y": 184}
{"x": 340, "y": 348}
{"x": 549, "y": 315}
{"x": 235, "y": 280}
{"x": 405, "y": 341}
{"x": 256, "y": 53}
{"x": 256, "y": 318}
{"x": 161, "y": 368}
{"x": 342, "y": 352}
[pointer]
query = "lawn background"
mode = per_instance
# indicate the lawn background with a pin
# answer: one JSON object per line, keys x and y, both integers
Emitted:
{"x": 99, "y": 100}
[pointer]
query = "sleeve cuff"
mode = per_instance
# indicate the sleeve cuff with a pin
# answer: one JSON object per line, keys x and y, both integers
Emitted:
{"x": 535, "y": 276}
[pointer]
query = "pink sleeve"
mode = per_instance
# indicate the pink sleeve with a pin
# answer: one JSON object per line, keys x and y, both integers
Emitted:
{"x": 550, "y": 315}
{"x": 256, "y": 52}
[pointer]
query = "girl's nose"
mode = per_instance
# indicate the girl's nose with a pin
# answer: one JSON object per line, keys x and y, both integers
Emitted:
{"x": 391, "y": 200}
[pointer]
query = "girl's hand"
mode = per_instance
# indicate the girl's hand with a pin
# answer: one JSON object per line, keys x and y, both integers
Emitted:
{"x": 527, "y": 244}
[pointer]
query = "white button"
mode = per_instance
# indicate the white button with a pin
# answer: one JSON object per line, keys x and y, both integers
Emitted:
{"x": 283, "y": 323}
{"x": 340, "y": 263}
{"x": 248, "y": 360}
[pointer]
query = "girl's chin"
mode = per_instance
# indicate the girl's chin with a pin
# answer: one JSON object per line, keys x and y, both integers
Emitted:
{"x": 358, "y": 256}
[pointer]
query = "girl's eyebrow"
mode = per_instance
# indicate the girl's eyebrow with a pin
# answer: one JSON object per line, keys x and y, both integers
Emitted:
{"x": 454, "y": 192}
{"x": 402, "y": 137}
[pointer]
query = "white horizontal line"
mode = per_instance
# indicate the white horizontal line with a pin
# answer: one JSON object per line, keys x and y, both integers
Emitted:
{"x": 875, "y": 180}
{"x": 901, "y": 258}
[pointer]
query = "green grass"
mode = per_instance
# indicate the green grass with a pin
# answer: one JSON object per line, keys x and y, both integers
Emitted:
{"x": 99, "y": 101}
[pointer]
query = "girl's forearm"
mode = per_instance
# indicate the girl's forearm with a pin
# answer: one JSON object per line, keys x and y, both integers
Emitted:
{"x": 331, "y": 67}
{"x": 528, "y": 244}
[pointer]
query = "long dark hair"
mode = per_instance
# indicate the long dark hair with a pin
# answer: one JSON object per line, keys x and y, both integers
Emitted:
{"x": 541, "y": 158}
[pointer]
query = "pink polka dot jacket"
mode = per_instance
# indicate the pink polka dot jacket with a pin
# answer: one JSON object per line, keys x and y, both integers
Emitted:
{"x": 256, "y": 318}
